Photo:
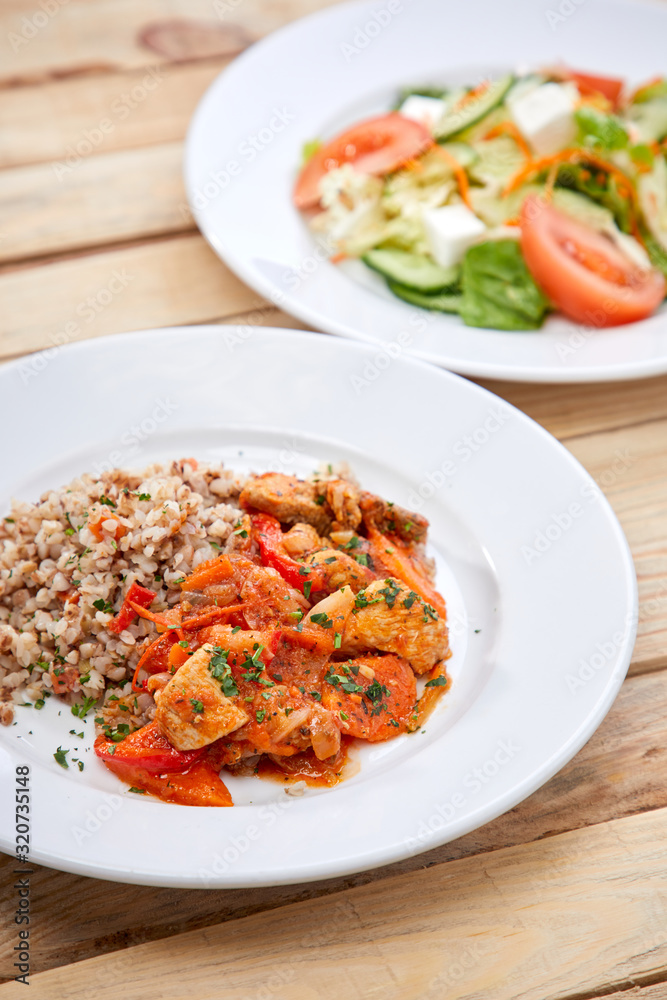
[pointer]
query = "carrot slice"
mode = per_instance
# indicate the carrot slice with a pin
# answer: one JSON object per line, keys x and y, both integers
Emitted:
{"x": 212, "y": 571}
{"x": 510, "y": 129}
{"x": 397, "y": 559}
{"x": 430, "y": 696}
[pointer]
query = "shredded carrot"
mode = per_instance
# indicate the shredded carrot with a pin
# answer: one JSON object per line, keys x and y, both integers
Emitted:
{"x": 459, "y": 173}
{"x": 570, "y": 156}
{"x": 167, "y": 620}
{"x": 472, "y": 95}
{"x": 336, "y": 258}
{"x": 208, "y": 617}
{"x": 144, "y": 659}
{"x": 510, "y": 129}
{"x": 413, "y": 164}
{"x": 177, "y": 656}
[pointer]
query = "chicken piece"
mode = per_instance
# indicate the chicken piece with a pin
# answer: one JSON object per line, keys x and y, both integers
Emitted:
{"x": 269, "y": 601}
{"x": 343, "y": 498}
{"x": 340, "y": 569}
{"x": 391, "y": 617}
{"x": 191, "y": 710}
{"x": 300, "y": 540}
{"x": 391, "y": 519}
{"x": 289, "y": 499}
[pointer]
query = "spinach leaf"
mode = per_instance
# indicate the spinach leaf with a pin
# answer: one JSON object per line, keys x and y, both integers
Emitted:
{"x": 499, "y": 290}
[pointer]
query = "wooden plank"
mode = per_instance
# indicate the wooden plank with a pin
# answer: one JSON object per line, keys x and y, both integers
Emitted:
{"x": 155, "y": 284}
{"x": 619, "y": 772}
{"x": 657, "y": 992}
{"x": 572, "y": 410}
{"x": 55, "y": 208}
{"x": 630, "y": 467}
{"x": 57, "y": 120}
{"x": 67, "y": 37}
{"x": 558, "y": 919}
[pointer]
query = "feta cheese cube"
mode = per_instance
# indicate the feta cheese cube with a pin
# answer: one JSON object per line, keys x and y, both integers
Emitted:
{"x": 450, "y": 230}
{"x": 426, "y": 110}
{"x": 545, "y": 116}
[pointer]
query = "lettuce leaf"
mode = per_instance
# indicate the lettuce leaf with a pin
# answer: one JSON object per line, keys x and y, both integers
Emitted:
{"x": 498, "y": 289}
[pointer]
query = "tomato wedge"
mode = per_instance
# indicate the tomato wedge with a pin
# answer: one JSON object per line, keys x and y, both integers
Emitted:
{"x": 376, "y": 146}
{"x": 582, "y": 272}
{"x": 609, "y": 86}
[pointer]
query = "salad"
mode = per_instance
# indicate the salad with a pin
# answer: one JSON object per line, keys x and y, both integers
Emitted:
{"x": 504, "y": 201}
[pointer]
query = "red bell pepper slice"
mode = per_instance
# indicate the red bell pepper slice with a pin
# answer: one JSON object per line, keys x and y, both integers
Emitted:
{"x": 269, "y": 536}
{"x": 135, "y": 595}
{"x": 148, "y": 749}
{"x": 200, "y": 785}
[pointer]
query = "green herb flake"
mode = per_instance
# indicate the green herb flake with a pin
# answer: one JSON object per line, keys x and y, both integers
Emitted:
{"x": 60, "y": 757}
{"x": 198, "y": 706}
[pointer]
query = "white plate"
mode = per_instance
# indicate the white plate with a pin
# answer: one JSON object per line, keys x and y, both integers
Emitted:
{"x": 336, "y": 67}
{"x": 533, "y": 564}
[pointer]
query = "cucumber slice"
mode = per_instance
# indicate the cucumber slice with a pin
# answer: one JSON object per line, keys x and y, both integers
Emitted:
{"x": 445, "y": 302}
{"x": 456, "y": 121}
{"x": 412, "y": 270}
{"x": 465, "y": 154}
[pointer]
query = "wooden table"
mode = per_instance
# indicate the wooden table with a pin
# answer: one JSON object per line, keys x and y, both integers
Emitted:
{"x": 565, "y": 896}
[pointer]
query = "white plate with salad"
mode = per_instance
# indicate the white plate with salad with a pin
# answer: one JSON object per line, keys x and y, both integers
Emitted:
{"x": 484, "y": 186}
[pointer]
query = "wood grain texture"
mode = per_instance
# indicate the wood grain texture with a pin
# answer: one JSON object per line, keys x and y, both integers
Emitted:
{"x": 630, "y": 467}
{"x": 621, "y": 771}
{"x": 55, "y": 208}
{"x": 154, "y": 284}
{"x": 554, "y": 919}
{"x": 57, "y": 121}
{"x": 573, "y": 410}
{"x": 83, "y": 37}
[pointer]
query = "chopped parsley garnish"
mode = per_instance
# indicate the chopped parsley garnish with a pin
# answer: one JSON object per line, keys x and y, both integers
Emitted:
{"x": 307, "y": 587}
{"x": 241, "y": 532}
{"x": 320, "y": 499}
{"x": 321, "y": 618}
{"x": 198, "y": 706}
{"x": 183, "y": 643}
{"x": 342, "y": 682}
{"x": 259, "y": 715}
{"x": 69, "y": 531}
{"x": 437, "y": 682}
{"x": 101, "y": 605}
{"x": 316, "y": 695}
{"x": 73, "y": 732}
{"x": 337, "y": 640}
{"x": 410, "y": 600}
{"x": 344, "y": 717}
{"x": 390, "y": 592}
{"x": 106, "y": 501}
{"x": 81, "y": 709}
{"x": 331, "y": 559}
{"x": 222, "y": 671}
{"x": 215, "y": 545}
{"x": 237, "y": 628}
{"x": 137, "y": 791}
{"x": 430, "y": 612}
{"x": 361, "y": 601}
{"x": 60, "y": 757}
{"x": 354, "y": 543}
{"x": 142, "y": 496}
{"x": 297, "y": 615}
{"x": 362, "y": 559}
